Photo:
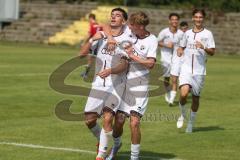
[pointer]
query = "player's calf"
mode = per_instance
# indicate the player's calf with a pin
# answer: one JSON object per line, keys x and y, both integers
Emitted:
{"x": 91, "y": 123}
{"x": 135, "y": 135}
{"x": 173, "y": 92}
{"x": 193, "y": 113}
{"x": 184, "y": 91}
{"x": 117, "y": 133}
{"x": 119, "y": 122}
{"x": 108, "y": 116}
{"x": 106, "y": 133}
{"x": 195, "y": 103}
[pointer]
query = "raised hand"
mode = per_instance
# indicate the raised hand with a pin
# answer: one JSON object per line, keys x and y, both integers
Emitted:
{"x": 199, "y": 45}
{"x": 179, "y": 52}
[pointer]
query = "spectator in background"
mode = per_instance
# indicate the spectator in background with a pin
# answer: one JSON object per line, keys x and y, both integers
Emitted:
{"x": 93, "y": 28}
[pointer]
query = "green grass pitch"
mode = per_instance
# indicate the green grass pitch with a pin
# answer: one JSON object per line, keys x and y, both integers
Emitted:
{"x": 27, "y": 116}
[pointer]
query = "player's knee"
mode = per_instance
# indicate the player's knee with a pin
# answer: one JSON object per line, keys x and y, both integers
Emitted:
{"x": 120, "y": 119}
{"x": 90, "y": 121}
{"x": 184, "y": 90}
{"x": 108, "y": 118}
{"x": 134, "y": 121}
{"x": 184, "y": 94}
{"x": 166, "y": 81}
{"x": 174, "y": 80}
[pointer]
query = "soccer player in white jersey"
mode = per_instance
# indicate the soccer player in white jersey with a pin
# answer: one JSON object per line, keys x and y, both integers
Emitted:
{"x": 117, "y": 86}
{"x": 103, "y": 98}
{"x": 142, "y": 57}
{"x": 184, "y": 26}
{"x": 169, "y": 39}
{"x": 196, "y": 44}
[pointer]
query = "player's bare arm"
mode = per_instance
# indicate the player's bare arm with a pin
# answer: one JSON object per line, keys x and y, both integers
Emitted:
{"x": 86, "y": 47}
{"x": 148, "y": 63}
{"x": 209, "y": 51}
{"x": 168, "y": 45}
{"x": 122, "y": 66}
{"x": 111, "y": 42}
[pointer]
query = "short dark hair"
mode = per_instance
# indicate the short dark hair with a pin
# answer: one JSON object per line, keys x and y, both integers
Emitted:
{"x": 183, "y": 23}
{"x": 91, "y": 15}
{"x": 202, "y": 11}
{"x": 173, "y": 14}
{"x": 124, "y": 13}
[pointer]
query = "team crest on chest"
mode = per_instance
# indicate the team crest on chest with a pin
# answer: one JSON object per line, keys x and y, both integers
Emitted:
{"x": 142, "y": 47}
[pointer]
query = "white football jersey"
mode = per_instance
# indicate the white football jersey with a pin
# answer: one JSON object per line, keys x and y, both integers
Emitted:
{"x": 144, "y": 48}
{"x": 127, "y": 29}
{"x": 105, "y": 59}
{"x": 167, "y": 36}
{"x": 194, "y": 59}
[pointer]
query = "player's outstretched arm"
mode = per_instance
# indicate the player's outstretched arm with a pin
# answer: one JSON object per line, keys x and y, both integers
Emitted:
{"x": 111, "y": 42}
{"x": 86, "y": 47}
{"x": 122, "y": 66}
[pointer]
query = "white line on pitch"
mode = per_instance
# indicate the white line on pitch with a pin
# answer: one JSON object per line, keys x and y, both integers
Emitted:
{"x": 24, "y": 74}
{"x": 46, "y": 147}
{"x": 72, "y": 150}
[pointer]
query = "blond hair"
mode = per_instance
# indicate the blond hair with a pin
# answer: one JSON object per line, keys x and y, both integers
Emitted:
{"x": 139, "y": 18}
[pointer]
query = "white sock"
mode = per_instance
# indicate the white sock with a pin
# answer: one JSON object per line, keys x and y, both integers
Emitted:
{"x": 96, "y": 130}
{"x": 117, "y": 141}
{"x": 169, "y": 94}
{"x": 193, "y": 116}
{"x": 172, "y": 96}
{"x": 135, "y": 150}
{"x": 103, "y": 144}
{"x": 182, "y": 109}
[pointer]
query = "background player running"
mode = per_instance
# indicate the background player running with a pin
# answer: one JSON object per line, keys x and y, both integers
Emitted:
{"x": 169, "y": 39}
{"x": 196, "y": 44}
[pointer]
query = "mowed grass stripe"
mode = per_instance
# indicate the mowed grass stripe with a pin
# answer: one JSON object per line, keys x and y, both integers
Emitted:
{"x": 27, "y": 106}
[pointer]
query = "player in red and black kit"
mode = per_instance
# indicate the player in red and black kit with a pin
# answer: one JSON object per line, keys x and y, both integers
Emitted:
{"x": 93, "y": 28}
